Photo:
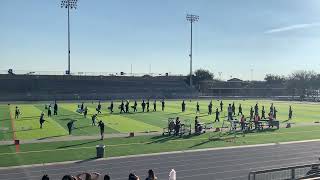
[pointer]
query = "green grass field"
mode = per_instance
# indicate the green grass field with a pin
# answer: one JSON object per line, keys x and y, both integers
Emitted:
{"x": 27, "y": 128}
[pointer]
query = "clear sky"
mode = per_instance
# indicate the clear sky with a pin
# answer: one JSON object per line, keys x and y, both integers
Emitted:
{"x": 232, "y": 36}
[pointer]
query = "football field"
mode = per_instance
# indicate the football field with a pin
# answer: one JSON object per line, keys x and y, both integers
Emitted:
{"x": 27, "y": 127}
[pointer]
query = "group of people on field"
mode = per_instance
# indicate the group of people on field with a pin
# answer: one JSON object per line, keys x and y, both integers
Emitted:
{"x": 255, "y": 116}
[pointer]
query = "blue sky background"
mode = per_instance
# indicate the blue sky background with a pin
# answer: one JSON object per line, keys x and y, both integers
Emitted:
{"x": 232, "y": 37}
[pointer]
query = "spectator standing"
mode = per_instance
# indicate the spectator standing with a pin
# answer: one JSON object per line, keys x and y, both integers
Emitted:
{"x": 151, "y": 175}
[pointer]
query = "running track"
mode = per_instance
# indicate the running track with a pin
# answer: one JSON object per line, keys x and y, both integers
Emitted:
{"x": 224, "y": 164}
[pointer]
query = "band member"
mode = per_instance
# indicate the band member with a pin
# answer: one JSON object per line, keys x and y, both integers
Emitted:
{"x": 17, "y": 113}
{"x": 81, "y": 107}
{"x": 221, "y": 106}
{"x": 127, "y": 107}
{"x": 240, "y": 110}
{"x": 49, "y": 111}
{"x": 111, "y": 107}
{"x": 121, "y": 107}
{"x": 256, "y": 109}
{"x": 263, "y": 113}
{"x": 274, "y": 112}
{"x": 210, "y": 108}
{"x": 148, "y": 104}
{"x": 196, "y": 124}
{"x": 85, "y": 112}
{"x": 217, "y": 115}
{"x": 93, "y": 119}
{"x": 198, "y": 108}
{"x": 256, "y": 121}
{"x": 243, "y": 122}
{"x": 135, "y": 106}
{"x": 55, "y": 108}
{"x": 271, "y": 108}
{"x": 230, "y": 112}
{"x": 41, "y": 120}
{"x": 233, "y": 109}
{"x": 251, "y": 113}
{"x": 162, "y": 104}
{"x": 143, "y": 105}
{"x": 290, "y": 112}
{"x": 99, "y": 108}
{"x": 177, "y": 126}
{"x": 183, "y": 106}
{"x": 155, "y": 105}
{"x": 101, "y": 126}
{"x": 70, "y": 126}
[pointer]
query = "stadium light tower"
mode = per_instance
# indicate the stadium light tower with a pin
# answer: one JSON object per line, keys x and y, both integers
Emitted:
{"x": 69, "y": 4}
{"x": 192, "y": 19}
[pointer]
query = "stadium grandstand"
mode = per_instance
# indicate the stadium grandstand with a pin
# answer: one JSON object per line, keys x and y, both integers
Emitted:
{"x": 33, "y": 87}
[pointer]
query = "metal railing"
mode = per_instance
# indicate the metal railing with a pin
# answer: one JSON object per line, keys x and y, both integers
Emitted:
{"x": 286, "y": 173}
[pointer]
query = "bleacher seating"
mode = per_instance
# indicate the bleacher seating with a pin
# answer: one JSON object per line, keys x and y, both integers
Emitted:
{"x": 48, "y": 87}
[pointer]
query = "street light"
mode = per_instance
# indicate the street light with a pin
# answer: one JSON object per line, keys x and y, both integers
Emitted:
{"x": 69, "y": 4}
{"x": 192, "y": 19}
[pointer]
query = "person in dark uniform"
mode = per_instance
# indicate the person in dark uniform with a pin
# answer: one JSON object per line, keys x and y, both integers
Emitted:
{"x": 233, "y": 109}
{"x": 274, "y": 112}
{"x": 111, "y": 107}
{"x": 121, "y": 107}
{"x": 197, "y": 108}
{"x": 196, "y": 124}
{"x": 101, "y": 126}
{"x": 127, "y": 106}
{"x": 230, "y": 112}
{"x": 256, "y": 109}
{"x": 221, "y": 106}
{"x": 217, "y": 116}
{"x": 41, "y": 120}
{"x": 183, "y": 106}
{"x": 162, "y": 104}
{"x": 177, "y": 126}
{"x": 210, "y": 108}
{"x": 271, "y": 108}
{"x": 290, "y": 112}
{"x": 148, "y": 105}
{"x": 81, "y": 107}
{"x": 55, "y": 108}
{"x": 99, "y": 108}
{"x": 85, "y": 112}
{"x": 49, "y": 111}
{"x": 155, "y": 105}
{"x": 93, "y": 119}
{"x": 240, "y": 110}
{"x": 242, "y": 122}
{"x": 16, "y": 113}
{"x": 251, "y": 113}
{"x": 70, "y": 126}
{"x": 143, "y": 105}
{"x": 263, "y": 113}
{"x": 135, "y": 106}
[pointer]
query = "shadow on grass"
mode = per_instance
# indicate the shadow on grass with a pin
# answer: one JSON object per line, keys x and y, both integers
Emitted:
{"x": 215, "y": 139}
{"x": 48, "y": 137}
{"x": 166, "y": 138}
{"x": 79, "y": 144}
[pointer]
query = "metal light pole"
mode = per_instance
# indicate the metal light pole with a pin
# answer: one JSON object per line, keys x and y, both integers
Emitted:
{"x": 192, "y": 18}
{"x": 69, "y": 4}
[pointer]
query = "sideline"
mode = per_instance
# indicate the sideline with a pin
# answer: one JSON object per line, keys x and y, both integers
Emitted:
{"x": 163, "y": 153}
